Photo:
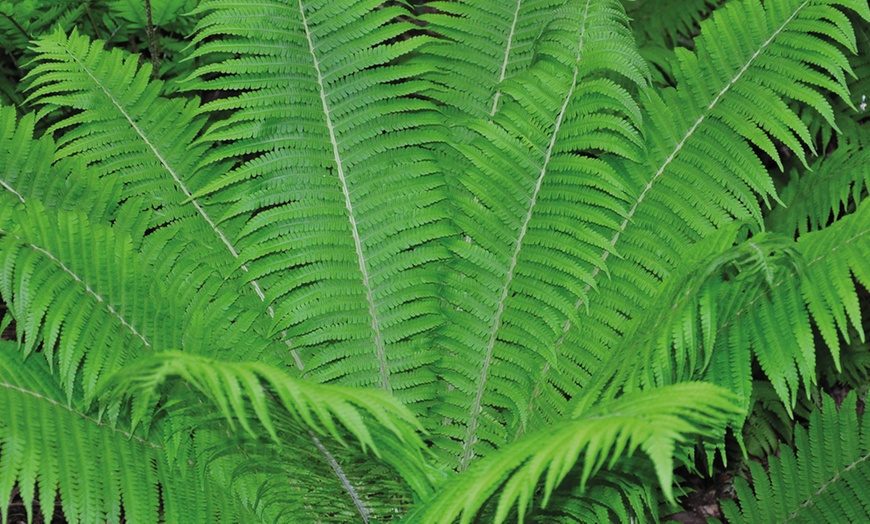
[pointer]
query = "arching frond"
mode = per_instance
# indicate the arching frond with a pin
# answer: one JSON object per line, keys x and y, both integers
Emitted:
{"x": 48, "y": 444}
{"x": 535, "y": 209}
{"x": 297, "y": 431}
{"x": 759, "y": 299}
{"x": 653, "y": 421}
{"x": 702, "y": 170}
{"x": 824, "y": 479}
{"x": 77, "y": 290}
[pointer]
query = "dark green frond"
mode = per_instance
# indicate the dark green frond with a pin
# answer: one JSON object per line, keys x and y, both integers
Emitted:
{"x": 824, "y": 479}
{"x": 835, "y": 185}
{"x": 341, "y": 203}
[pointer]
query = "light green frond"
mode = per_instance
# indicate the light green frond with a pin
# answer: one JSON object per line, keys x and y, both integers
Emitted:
{"x": 537, "y": 206}
{"x": 78, "y": 291}
{"x": 653, "y": 421}
{"x": 702, "y": 170}
{"x": 825, "y": 479}
{"x": 103, "y": 473}
{"x": 309, "y": 426}
{"x": 341, "y": 203}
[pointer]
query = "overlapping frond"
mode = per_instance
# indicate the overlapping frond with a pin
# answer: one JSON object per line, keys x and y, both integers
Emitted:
{"x": 118, "y": 124}
{"x": 537, "y": 205}
{"x": 341, "y": 201}
{"x": 702, "y": 170}
{"x": 654, "y": 421}
{"x": 776, "y": 318}
{"x": 102, "y": 472}
{"x": 115, "y": 122}
{"x": 78, "y": 291}
{"x": 824, "y": 479}
{"x": 297, "y": 433}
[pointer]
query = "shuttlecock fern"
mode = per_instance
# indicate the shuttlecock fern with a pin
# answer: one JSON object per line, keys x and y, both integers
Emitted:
{"x": 363, "y": 261}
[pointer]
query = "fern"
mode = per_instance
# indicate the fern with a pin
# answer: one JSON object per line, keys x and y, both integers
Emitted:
{"x": 816, "y": 482}
{"x": 357, "y": 261}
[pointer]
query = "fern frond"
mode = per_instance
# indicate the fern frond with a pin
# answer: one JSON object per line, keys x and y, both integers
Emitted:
{"x": 776, "y": 319}
{"x": 534, "y": 212}
{"x": 152, "y": 161}
{"x": 78, "y": 289}
{"x": 262, "y": 401}
{"x": 824, "y": 479}
{"x": 341, "y": 203}
{"x": 471, "y": 82}
{"x": 149, "y": 138}
{"x": 48, "y": 445}
{"x": 702, "y": 171}
{"x": 667, "y": 24}
{"x": 836, "y": 183}
{"x": 652, "y": 420}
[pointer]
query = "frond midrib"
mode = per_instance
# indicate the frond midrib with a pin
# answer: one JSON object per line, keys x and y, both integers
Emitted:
{"x": 467, "y": 453}
{"x": 507, "y": 51}
{"x": 185, "y": 190}
{"x": 339, "y": 163}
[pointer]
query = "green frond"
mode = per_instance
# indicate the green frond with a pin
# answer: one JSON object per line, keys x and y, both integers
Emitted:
{"x": 824, "y": 479}
{"x": 769, "y": 424}
{"x": 471, "y": 82}
{"x": 667, "y": 24}
{"x": 78, "y": 292}
{"x": 776, "y": 317}
{"x": 626, "y": 493}
{"x": 836, "y": 184}
{"x": 302, "y": 419}
{"x": 163, "y": 12}
{"x": 702, "y": 170}
{"x": 341, "y": 203}
{"x": 103, "y": 473}
{"x": 653, "y": 421}
{"x": 109, "y": 99}
{"x": 534, "y": 213}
